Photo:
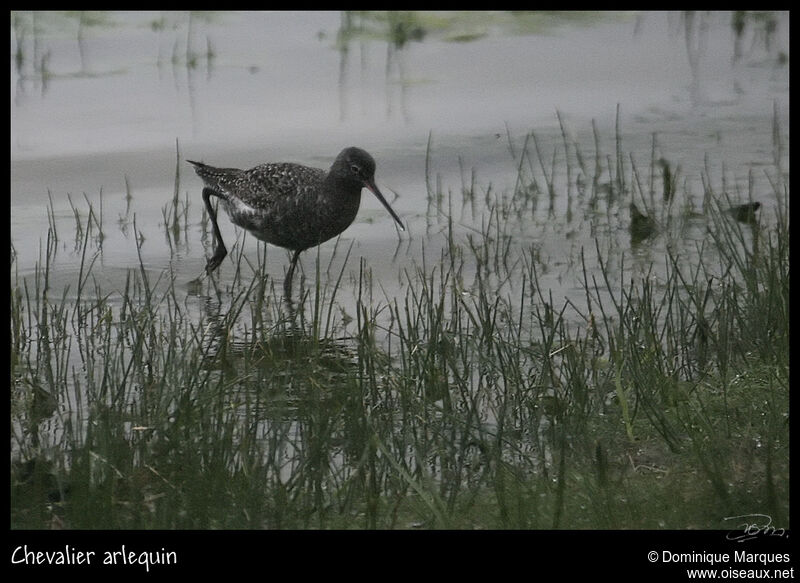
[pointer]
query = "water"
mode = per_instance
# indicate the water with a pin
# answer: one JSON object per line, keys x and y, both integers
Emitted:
{"x": 102, "y": 104}
{"x": 117, "y": 95}
{"x": 99, "y": 112}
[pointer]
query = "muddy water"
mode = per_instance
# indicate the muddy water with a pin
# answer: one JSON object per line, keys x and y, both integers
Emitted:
{"x": 104, "y": 104}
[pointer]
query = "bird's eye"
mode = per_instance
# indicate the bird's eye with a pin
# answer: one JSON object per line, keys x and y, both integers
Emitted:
{"x": 355, "y": 169}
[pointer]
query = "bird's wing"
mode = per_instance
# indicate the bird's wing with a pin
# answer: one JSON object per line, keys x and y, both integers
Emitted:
{"x": 271, "y": 184}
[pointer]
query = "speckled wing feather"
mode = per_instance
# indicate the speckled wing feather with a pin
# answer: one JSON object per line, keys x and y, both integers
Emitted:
{"x": 268, "y": 184}
{"x": 263, "y": 186}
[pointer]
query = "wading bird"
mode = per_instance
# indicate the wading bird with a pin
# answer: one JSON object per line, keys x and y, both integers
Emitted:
{"x": 290, "y": 205}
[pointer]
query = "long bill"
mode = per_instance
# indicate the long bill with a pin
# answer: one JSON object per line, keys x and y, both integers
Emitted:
{"x": 379, "y": 196}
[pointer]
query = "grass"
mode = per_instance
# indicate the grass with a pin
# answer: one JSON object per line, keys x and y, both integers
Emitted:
{"x": 473, "y": 400}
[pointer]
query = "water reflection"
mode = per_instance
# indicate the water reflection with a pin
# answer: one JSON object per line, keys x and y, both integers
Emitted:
{"x": 359, "y": 30}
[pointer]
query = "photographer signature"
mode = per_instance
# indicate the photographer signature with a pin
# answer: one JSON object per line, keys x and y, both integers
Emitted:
{"x": 754, "y": 525}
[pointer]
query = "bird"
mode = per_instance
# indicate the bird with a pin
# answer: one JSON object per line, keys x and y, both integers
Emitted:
{"x": 641, "y": 226}
{"x": 290, "y": 205}
{"x": 745, "y": 213}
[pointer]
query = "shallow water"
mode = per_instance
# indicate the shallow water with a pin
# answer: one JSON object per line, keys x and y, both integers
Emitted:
{"x": 470, "y": 116}
{"x": 98, "y": 111}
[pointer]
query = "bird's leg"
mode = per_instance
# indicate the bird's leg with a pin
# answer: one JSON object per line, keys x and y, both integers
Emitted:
{"x": 287, "y": 284}
{"x": 220, "y": 250}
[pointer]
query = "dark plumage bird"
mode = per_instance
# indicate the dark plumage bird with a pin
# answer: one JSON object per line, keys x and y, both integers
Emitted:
{"x": 745, "y": 213}
{"x": 642, "y": 226}
{"x": 290, "y": 205}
